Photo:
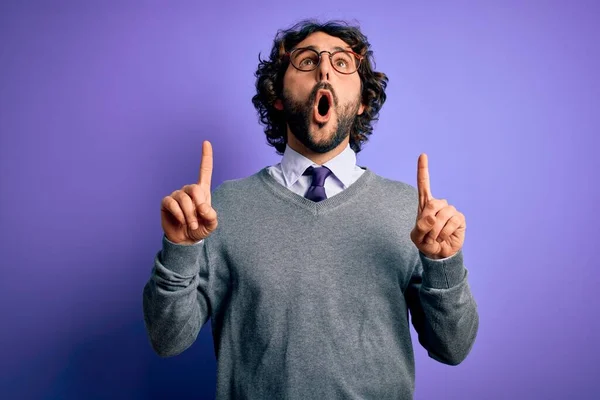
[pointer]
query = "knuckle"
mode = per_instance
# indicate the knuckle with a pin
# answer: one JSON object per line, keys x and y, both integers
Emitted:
{"x": 446, "y": 212}
{"x": 423, "y": 225}
{"x": 172, "y": 206}
{"x": 176, "y": 205}
{"x": 170, "y": 203}
{"x": 178, "y": 194}
{"x": 189, "y": 203}
{"x": 188, "y": 189}
{"x": 194, "y": 191}
{"x": 184, "y": 203}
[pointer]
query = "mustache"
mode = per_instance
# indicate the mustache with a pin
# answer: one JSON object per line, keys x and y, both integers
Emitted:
{"x": 324, "y": 86}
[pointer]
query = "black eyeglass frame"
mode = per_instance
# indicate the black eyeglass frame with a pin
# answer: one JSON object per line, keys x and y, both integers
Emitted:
{"x": 357, "y": 56}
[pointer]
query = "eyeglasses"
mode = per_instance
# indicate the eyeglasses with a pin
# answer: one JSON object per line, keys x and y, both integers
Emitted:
{"x": 307, "y": 59}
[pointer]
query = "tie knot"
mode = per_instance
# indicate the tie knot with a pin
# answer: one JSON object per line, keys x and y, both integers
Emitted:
{"x": 319, "y": 175}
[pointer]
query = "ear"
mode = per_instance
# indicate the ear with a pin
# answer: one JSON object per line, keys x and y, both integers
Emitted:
{"x": 361, "y": 109}
{"x": 278, "y": 104}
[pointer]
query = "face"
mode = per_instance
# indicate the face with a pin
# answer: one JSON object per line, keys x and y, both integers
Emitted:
{"x": 320, "y": 105}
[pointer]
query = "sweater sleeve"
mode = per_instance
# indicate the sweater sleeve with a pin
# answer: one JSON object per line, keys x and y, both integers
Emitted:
{"x": 443, "y": 310}
{"x": 186, "y": 285}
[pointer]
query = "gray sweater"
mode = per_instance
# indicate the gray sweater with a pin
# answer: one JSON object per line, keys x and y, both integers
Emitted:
{"x": 311, "y": 300}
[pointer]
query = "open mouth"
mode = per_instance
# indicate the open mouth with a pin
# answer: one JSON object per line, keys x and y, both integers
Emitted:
{"x": 322, "y": 106}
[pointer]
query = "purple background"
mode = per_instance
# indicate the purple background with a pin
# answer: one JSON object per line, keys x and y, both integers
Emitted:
{"x": 103, "y": 109}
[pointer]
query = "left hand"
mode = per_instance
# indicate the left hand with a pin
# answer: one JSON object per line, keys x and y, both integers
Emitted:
{"x": 439, "y": 231}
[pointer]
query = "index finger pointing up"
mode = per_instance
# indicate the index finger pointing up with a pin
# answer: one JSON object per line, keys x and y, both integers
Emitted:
{"x": 423, "y": 181}
{"x": 206, "y": 165}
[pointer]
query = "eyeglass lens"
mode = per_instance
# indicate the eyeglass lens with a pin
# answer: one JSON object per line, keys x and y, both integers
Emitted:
{"x": 308, "y": 59}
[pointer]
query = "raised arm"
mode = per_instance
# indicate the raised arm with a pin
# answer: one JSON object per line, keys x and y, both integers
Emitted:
{"x": 187, "y": 281}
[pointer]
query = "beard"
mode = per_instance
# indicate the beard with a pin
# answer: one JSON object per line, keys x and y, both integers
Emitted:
{"x": 298, "y": 118}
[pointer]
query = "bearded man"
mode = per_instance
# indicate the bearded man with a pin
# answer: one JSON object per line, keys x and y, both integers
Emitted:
{"x": 313, "y": 265}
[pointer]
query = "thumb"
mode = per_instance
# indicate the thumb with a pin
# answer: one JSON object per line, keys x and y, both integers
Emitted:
{"x": 209, "y": 216}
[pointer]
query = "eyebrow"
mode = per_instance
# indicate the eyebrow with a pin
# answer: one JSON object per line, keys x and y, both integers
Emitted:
{"x": 335, "y": 48}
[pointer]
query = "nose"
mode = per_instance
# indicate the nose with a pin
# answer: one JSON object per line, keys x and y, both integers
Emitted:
{"x": 324, "y": 66}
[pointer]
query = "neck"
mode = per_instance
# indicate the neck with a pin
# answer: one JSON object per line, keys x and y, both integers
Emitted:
{"x": 317, "y": 158}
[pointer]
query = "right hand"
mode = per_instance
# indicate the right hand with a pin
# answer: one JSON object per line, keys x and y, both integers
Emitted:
{"x": 186, "y": 214}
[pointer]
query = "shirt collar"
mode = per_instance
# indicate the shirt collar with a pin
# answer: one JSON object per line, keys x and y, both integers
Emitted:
{"x": 293, "y": 165}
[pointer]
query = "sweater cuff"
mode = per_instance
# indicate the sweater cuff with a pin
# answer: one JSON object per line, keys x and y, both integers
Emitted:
{"x": 183, "y": 259}
{"x": 443, "y": 274}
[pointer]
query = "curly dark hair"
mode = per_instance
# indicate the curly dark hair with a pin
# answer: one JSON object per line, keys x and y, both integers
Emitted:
{"x": 270, "y": 73}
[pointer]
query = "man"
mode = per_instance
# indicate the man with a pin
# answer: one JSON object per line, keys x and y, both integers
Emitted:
{"x": 309, "y": 268}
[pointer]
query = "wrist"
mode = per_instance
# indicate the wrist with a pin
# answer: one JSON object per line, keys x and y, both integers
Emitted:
{"x": 185, "y": 242}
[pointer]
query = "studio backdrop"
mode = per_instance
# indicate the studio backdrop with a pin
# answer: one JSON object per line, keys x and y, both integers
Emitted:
{"x": 104, "y": 106}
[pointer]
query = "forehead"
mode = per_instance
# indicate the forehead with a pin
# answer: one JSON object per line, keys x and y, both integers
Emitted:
{"x": 323, "y": 41}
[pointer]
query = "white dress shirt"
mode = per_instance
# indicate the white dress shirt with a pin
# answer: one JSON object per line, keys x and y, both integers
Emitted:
{"x": 293, "y": 164}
